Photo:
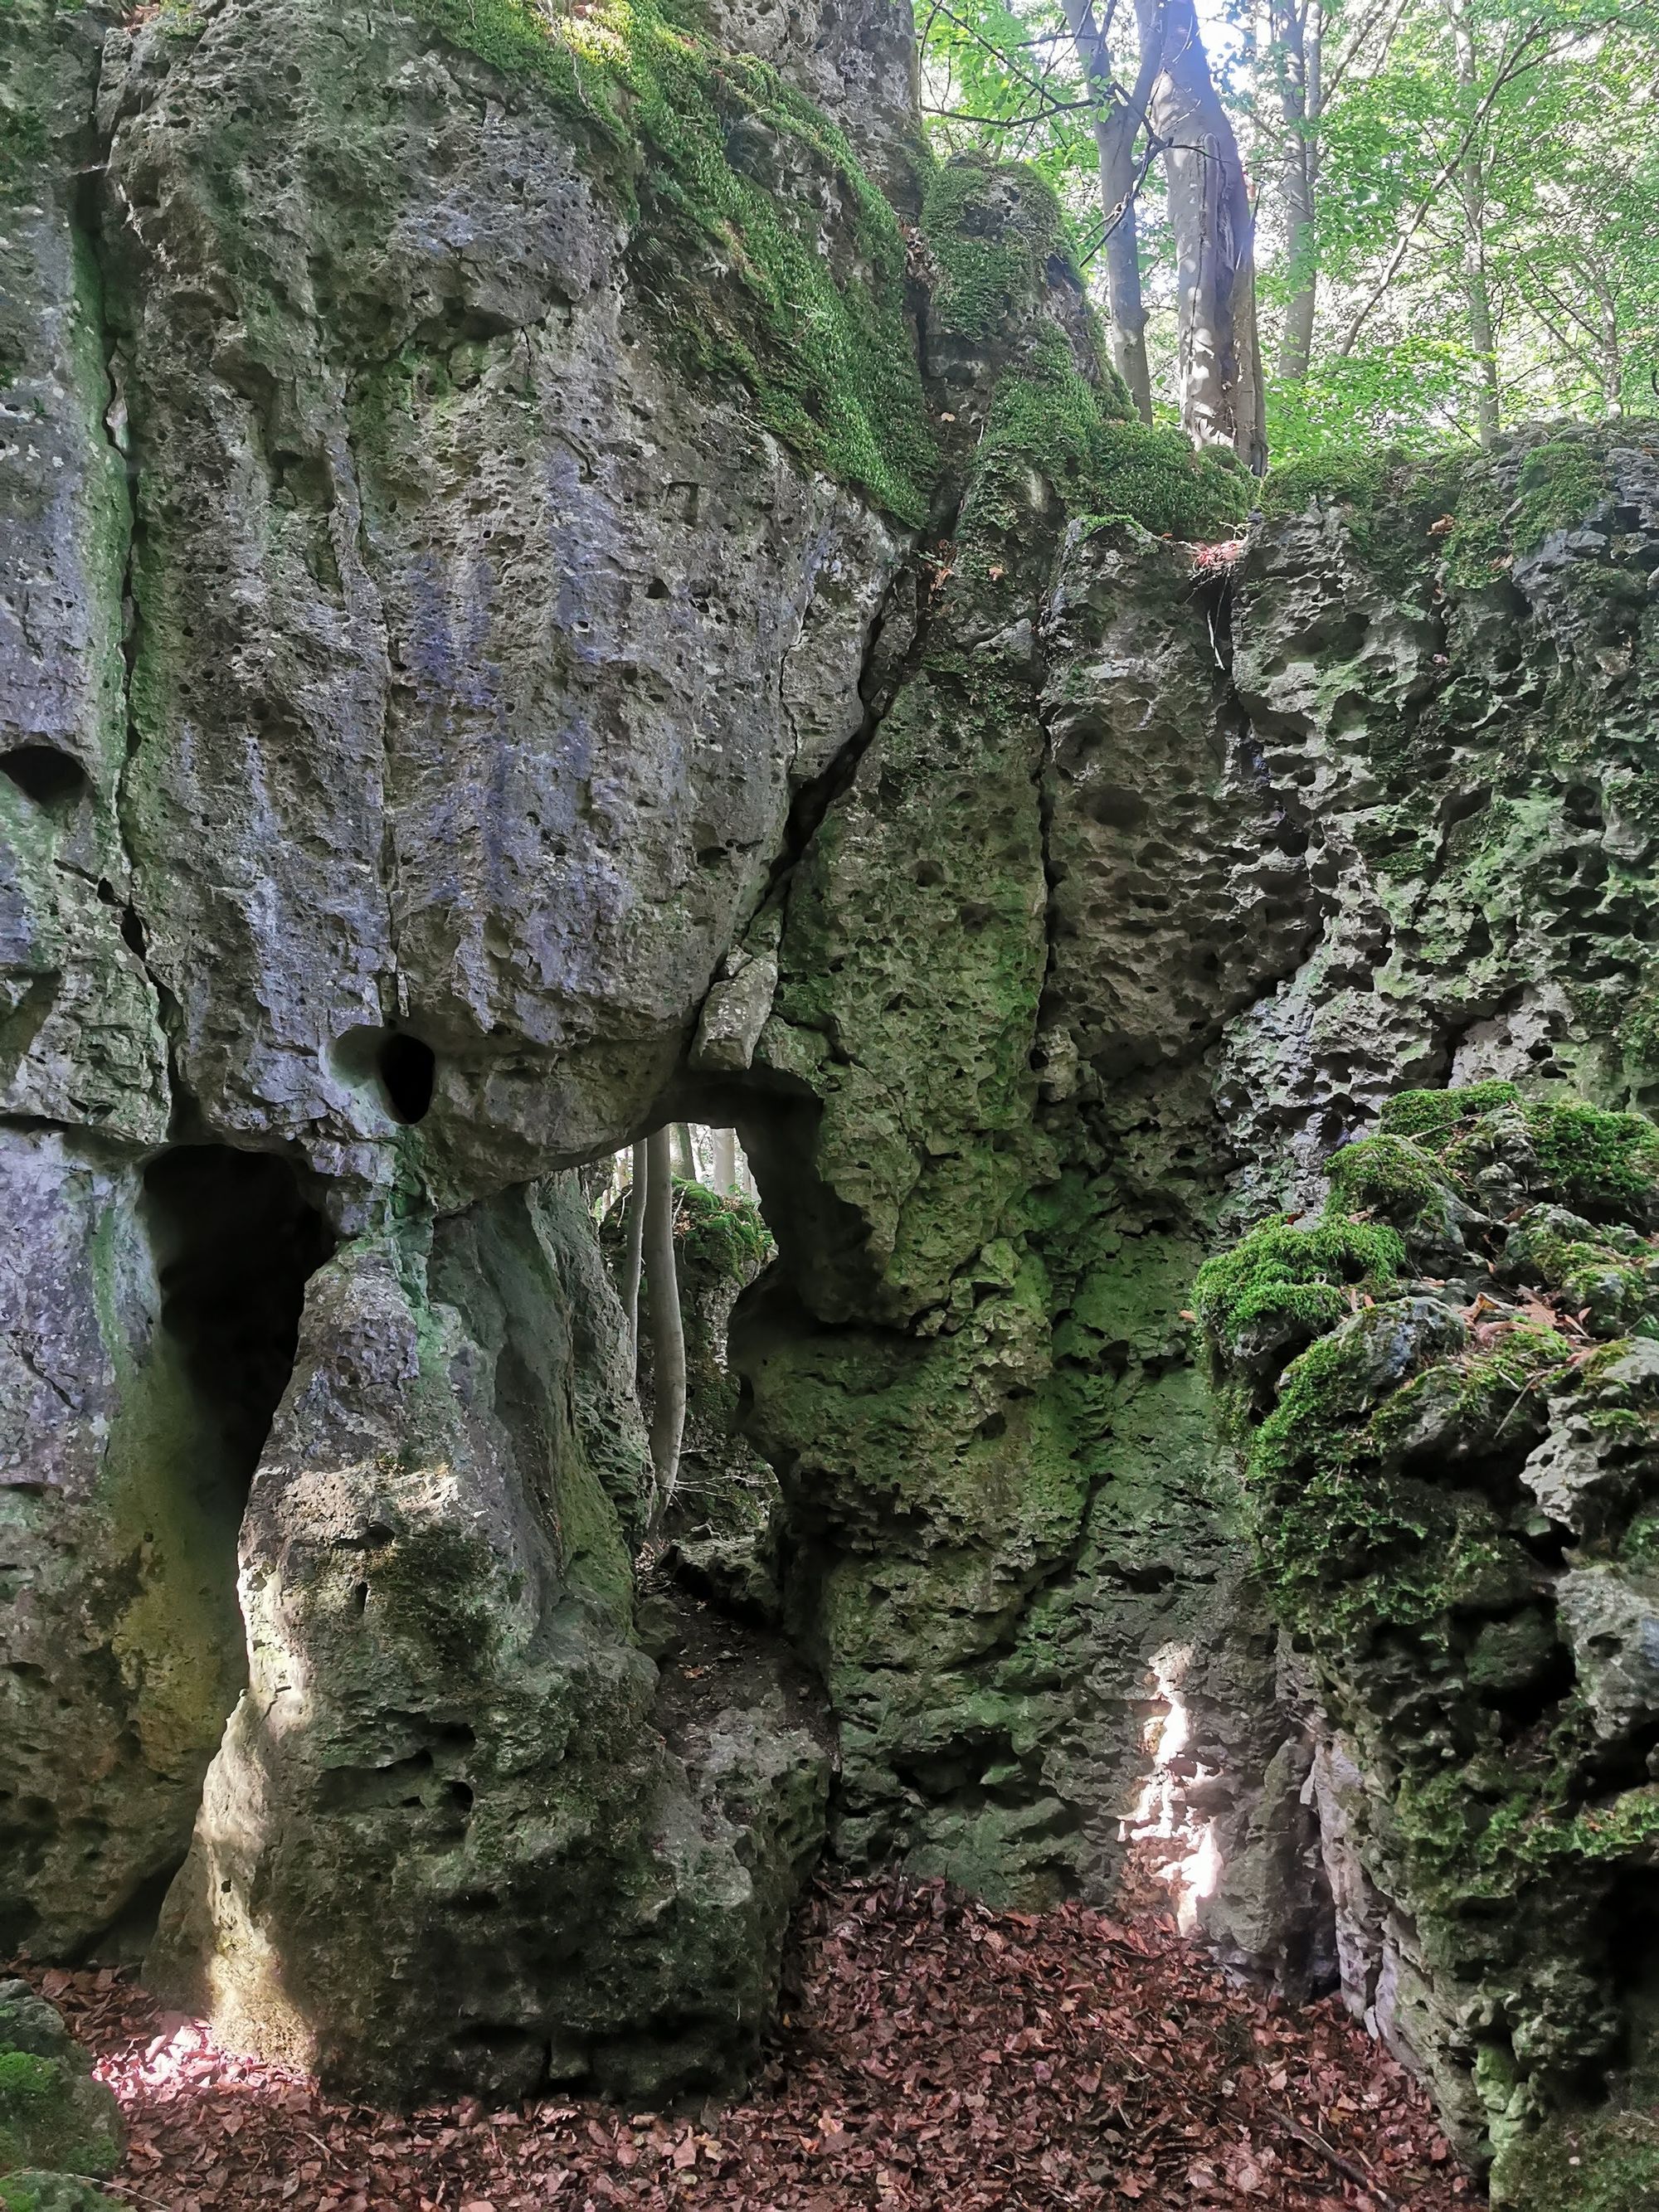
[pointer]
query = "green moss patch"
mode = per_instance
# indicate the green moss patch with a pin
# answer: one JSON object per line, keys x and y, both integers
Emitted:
{"x": 1047, "y": 418}
{"x": 52, "y": 2115}
{"x": 1604, "y": 2161}
{"x": 1604, "y": 1164}
{"x": 1559, "y": 484}
{"x": 1451, "y": 1498}
{"x": 721, "y": 1233}
{"x": 1409, "y": 513}
{"x": 992, "y": 227}
{"x": 51, "y": 2192}
{"x": 1283, "y": 1283}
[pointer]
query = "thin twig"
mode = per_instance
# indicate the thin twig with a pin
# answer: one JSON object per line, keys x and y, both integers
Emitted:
{"x": 1333, "y": 2159}
{"x": 139, "y": 2195}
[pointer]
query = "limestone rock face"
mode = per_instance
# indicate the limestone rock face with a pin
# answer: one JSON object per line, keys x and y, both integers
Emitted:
{"x": 1463, "y": 738}
{"x": 508, "y": 637}
{"x": 425, "y": 498}
{"x": 412, "y": 642}
{"x": 1486, "y": 1646}
{"x": 446, "y": 1711}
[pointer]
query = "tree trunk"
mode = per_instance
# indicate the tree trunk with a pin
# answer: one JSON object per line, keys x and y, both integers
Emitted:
{"x": 1118, "y": 122}
{"x": 1297, "y": 65}
{"x": 1476, "y": 293}
{"x": 725, "y": 1160}
{"x": 667, "y": 1331}
{"x": 1222, "y": 401}
{"x": 685, "y": 1160}
{"x": 633, "y": 1250}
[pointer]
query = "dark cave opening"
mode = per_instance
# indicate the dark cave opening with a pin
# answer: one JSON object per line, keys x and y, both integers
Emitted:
{"x": 235, "y": 1240}
{"x": 409, "y": 1072}
{"x": 1632, "y": 1925}
{"x": 50, "y": 778}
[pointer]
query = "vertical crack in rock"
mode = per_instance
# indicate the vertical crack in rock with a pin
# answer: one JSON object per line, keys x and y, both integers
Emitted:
{"x": 117, "y": 431}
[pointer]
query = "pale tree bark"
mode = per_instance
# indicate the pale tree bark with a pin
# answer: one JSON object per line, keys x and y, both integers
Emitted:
{"x": 725, "y": 1160}
{"x": 1119, "y": 120}
{"x": 1472, "y": 195}
{"x": 633, "y": 1250}
{"x": 1297, "y": 36}
{"x": 667, "y": 1331}
{"x": 1222, "y": 400}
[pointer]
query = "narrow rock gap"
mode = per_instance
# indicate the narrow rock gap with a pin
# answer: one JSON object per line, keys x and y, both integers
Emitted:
{"x": 89, "y": 224}
{"x": 233, "y": 1239}
{"x": 879, "y": 684}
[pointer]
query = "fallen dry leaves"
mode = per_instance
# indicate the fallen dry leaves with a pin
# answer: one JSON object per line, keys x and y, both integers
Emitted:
{"x": 938, "y": 2054}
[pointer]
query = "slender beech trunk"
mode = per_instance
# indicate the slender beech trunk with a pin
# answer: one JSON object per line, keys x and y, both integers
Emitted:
{"x": 1477, "y": 292}
{"x": 1297, "y": 38}
{"x": 1118, "y": 122}
{"x": 633, "y": 1250}
{"x": 685, "y": 1160}
{"x": 667, "y": 1332}
{"x": 725, "y": 1160}
{"x": 1222, "y": 400}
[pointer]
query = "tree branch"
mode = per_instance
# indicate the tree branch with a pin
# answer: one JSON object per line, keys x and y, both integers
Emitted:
{"x": 1513, "y": 68}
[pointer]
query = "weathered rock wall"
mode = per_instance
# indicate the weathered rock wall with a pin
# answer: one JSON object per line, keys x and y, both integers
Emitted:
{"x": 415, "y": 641}
{"x": 544, "y": 603}
{"x": 1445, "y": 1388}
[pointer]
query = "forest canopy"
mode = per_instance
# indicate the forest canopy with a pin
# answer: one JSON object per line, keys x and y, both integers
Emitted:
{"x": 1313, "y": 223}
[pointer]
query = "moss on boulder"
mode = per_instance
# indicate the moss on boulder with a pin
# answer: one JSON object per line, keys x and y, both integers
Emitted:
{"x": 55, "y": 2120}
{"x": 705, "y": 151}
{"x": 34, "y": 2191}
{"x": 1448, "y": 1488}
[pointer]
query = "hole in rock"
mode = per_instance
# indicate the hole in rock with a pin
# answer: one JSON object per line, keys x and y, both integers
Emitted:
{"x": 402, "y": 1069}
{"x": 43, "y": 773}
{"x": 234, "y": 1240}
{"x": 1114, "y": 808}
{"x": 408, "y": 1070}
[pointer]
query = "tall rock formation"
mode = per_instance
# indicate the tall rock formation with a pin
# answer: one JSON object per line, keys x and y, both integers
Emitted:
{"x": 564, "y": 576}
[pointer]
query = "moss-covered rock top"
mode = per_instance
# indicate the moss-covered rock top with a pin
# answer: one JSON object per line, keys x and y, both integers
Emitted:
{"x": 725, "y": 172}
{"x": 1448, "y": 1392}
{"x": 1469, "y": 515}
{"x": 1005, "y": 287}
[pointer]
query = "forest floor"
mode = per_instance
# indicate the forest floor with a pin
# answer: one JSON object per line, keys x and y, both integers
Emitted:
{"x": 935, "y": 2054}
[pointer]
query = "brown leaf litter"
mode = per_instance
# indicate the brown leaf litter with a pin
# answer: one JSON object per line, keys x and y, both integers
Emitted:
{"x": 937, "y": 2054}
